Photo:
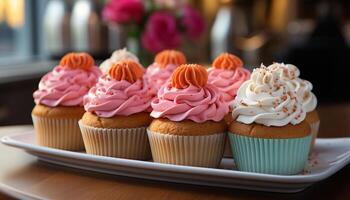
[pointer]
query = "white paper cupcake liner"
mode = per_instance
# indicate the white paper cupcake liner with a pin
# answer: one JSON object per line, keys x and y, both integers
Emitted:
{"x": 201, "y": 151}
{"x": 314, "y": 132}
{"x": 58, "y": 133}
{"x": 131, "y": 143}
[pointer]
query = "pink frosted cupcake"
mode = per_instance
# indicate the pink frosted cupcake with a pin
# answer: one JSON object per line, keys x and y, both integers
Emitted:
{"x": 188, "y": 128}
{"x": 59, "y": 101}
{"x": 116, "y": 113}
{"x": 227, "y": 74}
{"x": 164, "y": 64}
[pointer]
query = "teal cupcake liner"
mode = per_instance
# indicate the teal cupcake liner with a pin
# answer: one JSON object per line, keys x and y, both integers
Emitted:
{"x": 270, "y": 156}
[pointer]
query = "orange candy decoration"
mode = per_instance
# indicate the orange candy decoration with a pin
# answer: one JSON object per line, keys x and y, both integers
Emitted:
{"x": 170, "y": 57}
{"x": 227, "y": 61}
{"x": 189, "y": 74}
{"x": 77, "y": 61}
{"x": 128, "y": 70}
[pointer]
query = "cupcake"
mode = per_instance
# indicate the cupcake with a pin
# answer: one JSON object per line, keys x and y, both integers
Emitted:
{"x": 163, "y": 66}
{"x": 116, "y": 115}
{"x": 270, "y": 134}
{"x": 188, "y": 128}
{"x": 118, "y": 55}
{"x": 290, "y": 73}
{"x": 59, "y": 102}
{"x": 227, "y": 74}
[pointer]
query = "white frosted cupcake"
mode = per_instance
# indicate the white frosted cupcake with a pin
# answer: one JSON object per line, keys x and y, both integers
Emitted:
{"x": 118, "y": 55}
{"x": 303, "y": 90}
{"x": 270, "y": 134}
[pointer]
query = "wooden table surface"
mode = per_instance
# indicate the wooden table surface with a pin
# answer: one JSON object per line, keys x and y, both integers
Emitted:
{"x": 23, "y": 176}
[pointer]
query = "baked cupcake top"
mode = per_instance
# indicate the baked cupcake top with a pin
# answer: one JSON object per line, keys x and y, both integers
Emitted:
{"x": 121, "y": 92}
{"x": 267, "y": 99}
{"x": 227, "y": 74}
{"x": 163, "y": 66}
{"x": 68, "y": 82}
{"x": 118, "y": 55}
{"x": 290, "y": 73}
{"x": 188, "y": 96}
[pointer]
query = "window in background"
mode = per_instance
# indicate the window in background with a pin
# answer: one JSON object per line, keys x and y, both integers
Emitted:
{"x": 19, "y": 30}
{"x": 13, "y": 31}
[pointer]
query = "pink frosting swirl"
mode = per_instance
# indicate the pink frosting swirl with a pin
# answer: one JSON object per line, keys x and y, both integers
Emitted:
{"x": 196, "y": 104}
{"x": 65, "y": 86}
{"x": 228, "y": 81}
{"x": 111, "y": 97}
{"x": 157, "y": 76}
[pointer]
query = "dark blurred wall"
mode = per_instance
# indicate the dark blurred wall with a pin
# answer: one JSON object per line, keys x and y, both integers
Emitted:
{"x": 323, "y": 57}
{"x": 16, "y": 101}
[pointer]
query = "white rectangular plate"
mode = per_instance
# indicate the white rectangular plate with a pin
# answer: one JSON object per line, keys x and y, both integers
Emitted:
{"x": 330, "y": 156}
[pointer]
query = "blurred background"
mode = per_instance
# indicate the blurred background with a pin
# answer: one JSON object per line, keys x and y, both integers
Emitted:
{"x": 312, "y": 34}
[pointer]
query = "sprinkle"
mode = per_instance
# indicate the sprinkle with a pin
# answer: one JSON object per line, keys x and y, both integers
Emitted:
{"x": 285, "y": 109}
{"x": 284, "y": 97}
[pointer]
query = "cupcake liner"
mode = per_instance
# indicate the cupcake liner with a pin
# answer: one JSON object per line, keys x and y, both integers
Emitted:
{"x": 201, "y": 151}
{"x": 58, "y": 133}
{"x": 314, "y": 132}
{"x": 131, "y": 143}
{"x": 270, "y": 156}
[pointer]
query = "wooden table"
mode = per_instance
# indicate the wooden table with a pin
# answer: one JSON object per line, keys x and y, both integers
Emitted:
{"x": 23, "y": 176}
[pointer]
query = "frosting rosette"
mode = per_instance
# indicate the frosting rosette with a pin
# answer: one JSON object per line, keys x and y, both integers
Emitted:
{"x": 290, "y": 73}
{"x": 267, "y": 99}
{"x": 120, "y": 92}
{"x": 188, "y": 96}
{"x": 66, "y": 86}
{"x": 163, "y": 66}
{"x": 118, "y": 55}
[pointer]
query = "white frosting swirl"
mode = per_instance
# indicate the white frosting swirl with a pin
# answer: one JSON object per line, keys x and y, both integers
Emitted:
{"x": 118, "y": 55}
{"x": 267, "y": 99}
{"x": 290, "y": 73}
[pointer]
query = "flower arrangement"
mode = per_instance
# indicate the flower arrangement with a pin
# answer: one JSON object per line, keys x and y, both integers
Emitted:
{"x": 158, "y": 24}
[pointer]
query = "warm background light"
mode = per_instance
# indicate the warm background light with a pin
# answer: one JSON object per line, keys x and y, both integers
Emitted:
{"x": 282, "y": 12}
{"x": 12, "y": 11}
{"x": 2, "y": 10}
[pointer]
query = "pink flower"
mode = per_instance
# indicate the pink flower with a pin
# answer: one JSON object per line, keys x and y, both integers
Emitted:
{"x": 123, "y": 11}
{"x": 161, "y": 33}
{"x": 193, "y": 22}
